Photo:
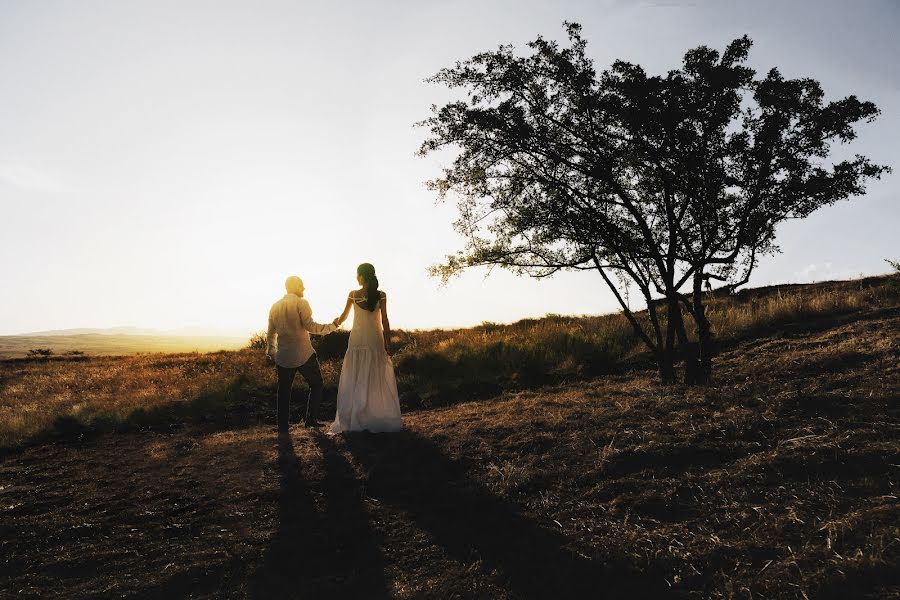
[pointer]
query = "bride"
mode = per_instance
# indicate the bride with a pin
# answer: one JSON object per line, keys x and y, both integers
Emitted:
{"x": 367, "y": 391}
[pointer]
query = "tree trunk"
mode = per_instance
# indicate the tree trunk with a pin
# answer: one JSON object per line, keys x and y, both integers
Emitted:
{"x": 665, "y": 360}
{"x": 663, "y": 350}
{"x": 665, "y": 355}
{"x": 704, "y": 334}
{"x": 687, "y": 350}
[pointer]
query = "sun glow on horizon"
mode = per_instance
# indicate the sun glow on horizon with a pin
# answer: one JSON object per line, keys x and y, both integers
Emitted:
{"x": 166, "y": 165}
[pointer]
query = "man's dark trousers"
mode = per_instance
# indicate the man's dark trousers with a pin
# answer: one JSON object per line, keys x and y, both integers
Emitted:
{"x": 313, "y": 376}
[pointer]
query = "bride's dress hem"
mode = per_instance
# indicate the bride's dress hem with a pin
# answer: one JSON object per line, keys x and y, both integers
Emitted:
{"x": 332, "y": 431}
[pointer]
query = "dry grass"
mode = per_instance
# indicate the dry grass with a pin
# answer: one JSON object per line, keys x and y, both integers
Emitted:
{"x": 74, "y": 395}
{"x": 779, "y": 481}
{"x": 757, "y": 311}
{"x": 41, "y": 396}
{"x": 437, "y": 367}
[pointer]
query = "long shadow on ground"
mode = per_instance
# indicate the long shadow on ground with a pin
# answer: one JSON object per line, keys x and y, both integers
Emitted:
{"x": 471, "y": 524}
{"x": 312, "y": 554}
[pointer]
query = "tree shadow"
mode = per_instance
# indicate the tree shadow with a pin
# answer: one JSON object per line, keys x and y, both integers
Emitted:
{"x": 471, "y": 524}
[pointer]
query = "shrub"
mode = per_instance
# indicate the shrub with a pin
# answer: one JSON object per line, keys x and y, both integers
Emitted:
{"x": 331, "y": 346}
{"x": 257, "y": 341}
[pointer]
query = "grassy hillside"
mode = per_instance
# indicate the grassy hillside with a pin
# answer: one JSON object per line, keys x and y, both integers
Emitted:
{"x": 160, "y": 476}
{"x": 65, "y": 395}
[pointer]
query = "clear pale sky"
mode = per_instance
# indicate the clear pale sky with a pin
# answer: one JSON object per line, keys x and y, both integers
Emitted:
{"x": 168, "y": 163}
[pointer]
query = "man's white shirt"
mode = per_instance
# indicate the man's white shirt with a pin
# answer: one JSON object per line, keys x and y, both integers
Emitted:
{"x": 290, "y": 323}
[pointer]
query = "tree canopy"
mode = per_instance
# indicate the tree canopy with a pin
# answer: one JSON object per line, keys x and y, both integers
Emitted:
{"x": 660, "y": 182}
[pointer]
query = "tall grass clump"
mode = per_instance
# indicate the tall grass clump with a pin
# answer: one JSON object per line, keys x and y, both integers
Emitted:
{"x": 76, "y": 395}
{"x": 482, "y": 360}
{"x": 257, "y": 341}
{"x": 756, "y": 311}
{"x": 437, "y": 366}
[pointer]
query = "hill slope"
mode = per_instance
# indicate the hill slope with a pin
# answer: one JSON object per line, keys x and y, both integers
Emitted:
{"x": 778, "y": 481}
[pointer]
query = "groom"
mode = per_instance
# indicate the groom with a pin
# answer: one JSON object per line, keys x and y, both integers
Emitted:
{"x": 287, "y": 343}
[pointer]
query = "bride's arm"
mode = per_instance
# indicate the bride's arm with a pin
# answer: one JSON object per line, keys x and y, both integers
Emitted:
{"x": 385, "y": 323}
{"x": 346, "y": 312}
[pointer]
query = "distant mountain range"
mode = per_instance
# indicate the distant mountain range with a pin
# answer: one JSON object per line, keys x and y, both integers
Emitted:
{"x": 180, "y": 332}
{"x": 121, "y": 340}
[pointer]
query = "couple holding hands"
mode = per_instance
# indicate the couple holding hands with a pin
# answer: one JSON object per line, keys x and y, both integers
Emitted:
{"x": 367, "y": 396}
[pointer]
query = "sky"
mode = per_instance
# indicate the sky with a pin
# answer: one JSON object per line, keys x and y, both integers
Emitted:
{"x": 167, "y": 164}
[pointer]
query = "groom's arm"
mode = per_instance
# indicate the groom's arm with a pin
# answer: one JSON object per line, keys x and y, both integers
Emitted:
{"x": 310, "y": 325}
{"x": 270, "y": 337}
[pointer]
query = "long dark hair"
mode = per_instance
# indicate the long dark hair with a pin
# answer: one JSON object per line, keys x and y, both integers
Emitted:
{"x": 367, "y": 272}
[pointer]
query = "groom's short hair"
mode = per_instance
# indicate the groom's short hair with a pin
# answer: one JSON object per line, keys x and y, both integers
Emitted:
{"x": 293, "y": 284}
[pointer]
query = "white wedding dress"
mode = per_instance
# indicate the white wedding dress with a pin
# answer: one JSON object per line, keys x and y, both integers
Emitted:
{"x": 367, "y": 396}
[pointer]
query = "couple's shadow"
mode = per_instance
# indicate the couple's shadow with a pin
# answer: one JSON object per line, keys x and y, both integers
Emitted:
{"x": 416, "y": 487}
{"x": 318, "y": 552}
